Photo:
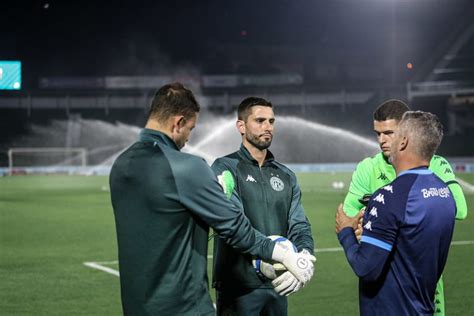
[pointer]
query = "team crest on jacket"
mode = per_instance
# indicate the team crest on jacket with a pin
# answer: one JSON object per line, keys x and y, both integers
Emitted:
{"x": 277, "y": 184}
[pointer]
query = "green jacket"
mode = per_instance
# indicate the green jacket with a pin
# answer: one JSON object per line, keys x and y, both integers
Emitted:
{"x": 271, "y": 199}
{"x": 375, "y": 172}
{"x": 164, "y": 202}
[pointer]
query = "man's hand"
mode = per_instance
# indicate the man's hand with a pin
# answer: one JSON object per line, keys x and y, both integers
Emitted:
{"x": 358, "y": 232}
{"x": 343, "y": 221}
{"x": 300, "y": 264}
{"x": 286, "y": 284}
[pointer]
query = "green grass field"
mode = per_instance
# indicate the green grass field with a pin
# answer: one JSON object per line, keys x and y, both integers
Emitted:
{"x": 51, "y": 225}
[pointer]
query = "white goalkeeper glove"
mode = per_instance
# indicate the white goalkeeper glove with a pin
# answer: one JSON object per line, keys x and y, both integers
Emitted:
{"x": 300, "y": 264}
{"x": 286, "y": 284}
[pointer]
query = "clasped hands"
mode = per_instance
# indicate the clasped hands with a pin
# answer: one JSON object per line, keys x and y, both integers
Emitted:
{"x": 343, "y": 221}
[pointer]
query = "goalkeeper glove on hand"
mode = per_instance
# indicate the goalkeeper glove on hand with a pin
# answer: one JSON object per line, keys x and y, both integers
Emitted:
{"x": 300, "y": 264}
{"x": 286, "y": 284}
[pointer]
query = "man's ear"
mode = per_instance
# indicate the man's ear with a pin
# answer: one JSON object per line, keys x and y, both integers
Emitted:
{"x": 403, "y": 144}
{"x": 178, "y": 122}
{"x": 240, "y": 126}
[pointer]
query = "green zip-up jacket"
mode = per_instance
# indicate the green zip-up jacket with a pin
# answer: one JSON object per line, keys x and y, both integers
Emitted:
{"x": 164, "y": 202}
{"x": 271, "y": 198}
{"x": 375, "y": 172}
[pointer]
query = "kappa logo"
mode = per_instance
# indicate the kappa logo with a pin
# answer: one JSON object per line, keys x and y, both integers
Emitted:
{"x": 277, "y": 184}
{"x": 388, "y": 188}
{"x": 368, "y": 226}
{"x": 448, "y": 170}
{"x": 250, "y": 179}
{"x": 373, "y": 211}
{"x": 443, "y": 162}
{"x": 382, "y": 176}
{"x": 380, "y": 198}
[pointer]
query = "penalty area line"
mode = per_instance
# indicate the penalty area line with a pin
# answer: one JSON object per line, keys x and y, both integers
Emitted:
{"x": 100, "y": 264}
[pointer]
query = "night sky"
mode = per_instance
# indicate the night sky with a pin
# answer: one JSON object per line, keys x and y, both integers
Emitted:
{"x": 93, "y": 38}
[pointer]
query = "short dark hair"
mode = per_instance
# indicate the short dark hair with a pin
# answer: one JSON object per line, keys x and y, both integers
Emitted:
{"x": 173, "y": 99}
{"x": 426, "y": 132}
{"x": 392, "y": 109}
{"x": 244, "y": 106}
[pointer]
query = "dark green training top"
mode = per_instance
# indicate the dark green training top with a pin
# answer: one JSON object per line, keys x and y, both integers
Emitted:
{"x": 271, "y": 198}
{"x": 164, "y": 202}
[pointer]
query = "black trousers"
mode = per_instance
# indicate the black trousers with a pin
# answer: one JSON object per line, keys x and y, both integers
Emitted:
{"x": 250, "y": 302}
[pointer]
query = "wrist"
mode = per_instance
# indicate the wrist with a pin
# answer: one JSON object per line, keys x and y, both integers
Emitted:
{"x": 346, "y": 236}
{"x": 306, "y": 251}
{"x": 345, "y": 231}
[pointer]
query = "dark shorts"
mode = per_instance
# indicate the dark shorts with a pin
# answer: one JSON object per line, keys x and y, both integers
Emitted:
{"x": 265, "y": 302}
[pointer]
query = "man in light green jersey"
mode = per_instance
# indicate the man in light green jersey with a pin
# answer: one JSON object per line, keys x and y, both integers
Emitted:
{"x": 375, "y": 172}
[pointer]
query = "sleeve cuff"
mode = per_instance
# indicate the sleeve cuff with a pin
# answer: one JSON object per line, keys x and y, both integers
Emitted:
{"x": 279, "y": 252}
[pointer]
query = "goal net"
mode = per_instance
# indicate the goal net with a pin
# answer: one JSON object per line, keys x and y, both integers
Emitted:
{"x": 45, "y": 159}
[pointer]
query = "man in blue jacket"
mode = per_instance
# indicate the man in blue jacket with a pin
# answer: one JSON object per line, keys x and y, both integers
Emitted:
{"x": 407, "y": 227}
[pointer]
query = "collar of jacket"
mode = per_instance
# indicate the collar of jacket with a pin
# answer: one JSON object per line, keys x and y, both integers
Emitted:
{"x": 246, "y": 155}
{"x": 153, "y": 136}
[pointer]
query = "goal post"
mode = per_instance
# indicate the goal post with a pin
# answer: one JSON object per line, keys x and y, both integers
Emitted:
{"x": 47, "y": 159}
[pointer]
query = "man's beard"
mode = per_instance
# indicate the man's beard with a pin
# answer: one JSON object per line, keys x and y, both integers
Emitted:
{"x": 257, "y": 142}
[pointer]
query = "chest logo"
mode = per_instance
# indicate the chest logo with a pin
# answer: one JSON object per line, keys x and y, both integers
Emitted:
{"x": 277, "y": 184}
{"x": 250, "y": 179}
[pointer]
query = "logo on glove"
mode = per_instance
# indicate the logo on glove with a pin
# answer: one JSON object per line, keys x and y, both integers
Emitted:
{"x": 302, "y": 263}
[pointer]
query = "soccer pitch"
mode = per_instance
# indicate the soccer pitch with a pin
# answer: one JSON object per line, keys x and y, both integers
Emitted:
{"x": 51, "y": 225}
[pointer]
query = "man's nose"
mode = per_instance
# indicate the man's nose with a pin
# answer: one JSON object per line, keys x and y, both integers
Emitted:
{"x": 382, "y": 138}
{"x": 268, "y": 126}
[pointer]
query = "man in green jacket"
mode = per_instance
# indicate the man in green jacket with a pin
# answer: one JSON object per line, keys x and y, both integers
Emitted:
{"x": 270, "y": 196}
{"x": 164, "y": 202}
{"x": 375, "y": 172}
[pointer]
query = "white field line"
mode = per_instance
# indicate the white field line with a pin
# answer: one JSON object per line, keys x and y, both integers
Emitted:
{"x": 100, "y": 267}
{"x": 462, "y": 242}
{"x": 100, "y": 264}
{"x": 466, "y": 185}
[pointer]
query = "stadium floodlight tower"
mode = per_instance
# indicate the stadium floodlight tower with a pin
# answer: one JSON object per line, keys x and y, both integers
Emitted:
{"x": 46, "y": 159}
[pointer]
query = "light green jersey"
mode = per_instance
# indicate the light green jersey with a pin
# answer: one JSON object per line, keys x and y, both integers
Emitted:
{"x": 375, "y": 172}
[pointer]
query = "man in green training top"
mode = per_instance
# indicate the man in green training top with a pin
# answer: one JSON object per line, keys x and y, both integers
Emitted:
{"x": 376, "y": 172}
{"x": 164, "y": 202}
{"x": 270, "y": 196}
